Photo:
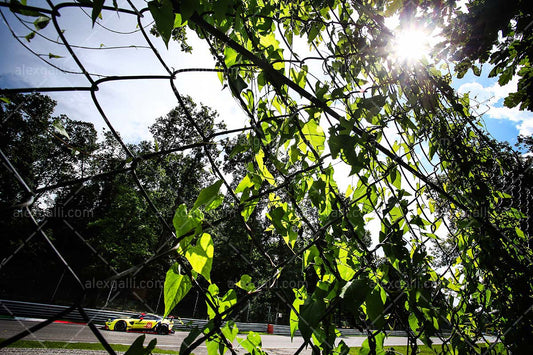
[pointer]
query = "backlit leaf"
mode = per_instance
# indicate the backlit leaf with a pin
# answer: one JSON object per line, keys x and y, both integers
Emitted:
{"x": 201, "y": 256}
{"x": 164, "y": 17}
{"x": 176, "y": 287}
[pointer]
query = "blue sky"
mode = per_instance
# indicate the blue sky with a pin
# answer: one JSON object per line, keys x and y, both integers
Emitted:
{"x": 134, "y": 106}
{"x": 502, "y": 123}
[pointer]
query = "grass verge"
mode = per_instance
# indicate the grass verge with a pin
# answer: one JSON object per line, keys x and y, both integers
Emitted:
{"x": 436, "y": 349}
{"x": 79, "y": 346}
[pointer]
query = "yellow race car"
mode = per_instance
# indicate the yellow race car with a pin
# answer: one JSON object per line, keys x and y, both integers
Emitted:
{"x": 142, "y": 322}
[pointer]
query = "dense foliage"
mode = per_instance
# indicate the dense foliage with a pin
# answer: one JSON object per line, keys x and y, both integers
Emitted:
{"x": 415, "y": 102}
{"x": 321, "y": 90}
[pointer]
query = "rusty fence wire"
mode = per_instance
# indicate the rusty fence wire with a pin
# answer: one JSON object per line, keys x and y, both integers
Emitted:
{"x": 424, "y": 178}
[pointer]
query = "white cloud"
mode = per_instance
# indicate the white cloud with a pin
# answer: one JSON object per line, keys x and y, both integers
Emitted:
{"x": 526, "y": 127}
{"x": 489, "y": 100}
{"x": 131, "y": 105}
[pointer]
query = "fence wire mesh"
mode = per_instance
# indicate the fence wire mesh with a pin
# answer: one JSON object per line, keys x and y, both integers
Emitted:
{"x": 424, "y": 180}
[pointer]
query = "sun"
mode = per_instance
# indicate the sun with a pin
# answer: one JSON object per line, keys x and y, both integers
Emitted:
{"x": 411, "y": 44}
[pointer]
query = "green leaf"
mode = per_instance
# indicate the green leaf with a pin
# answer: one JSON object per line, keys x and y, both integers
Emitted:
{"x": 97, "y": 9}
{"x": 342, "y": 348}
{"x": 276, "y": 216}
{"x": 248, "y": 210}
{"x": 321, "y": 90}
{"x": 137, "y": 347}
{"x": 354, "y": 294}
{"x": 374, "y": 104}
{"x": 221, "y": 303}
{"x": 513, "y": 99}
{"x": 252, "y": 343}
{"x": 395, "y": 178}
{"x": 41, "y": 22}
{"x": 338, "y": 92}
{"x": 313, "y": 32}
{"x": 178, "y": 21}
{"x": 214, "y": 346}
{"x": 190, "y": 339}
{"x": 349, "y": 144}
{"x": 222, "y": 8}
{"x": 230, "y": 330}
{"x": 462, "y": 68}
{"x": 230, "y": 56}
{"x": 375, "y": 308}
{"x": 5, "y": 99}
{"x": 365, "y": 347}
{"x": 151, "y": 346}
{"x": 30, "y": 36}
{"x": 413, "y": 323}
{"x": 176, "y": 287}
{"x": 212, "y": 294}
{"x": 237, "y": 84}
{"x": 58, "y": 126}
{"x": 239, "y": 148}
{"x": 299, "y": 78}
{"x": 335, "y": 142}
{"x": 184, "y": 222}
{"x": 315, "y": 135}
{"x": 50, "y": 56}
{"x": 208, "y": 196}
{"x": 263, "y": 169}
{"x": 164, "y": 18}
{"x": 201, "y": 256}
{"x": 345, "y": 271}
{"x": 188, "y": 7}
{"x": 246, "y": 283}
{"x": 299, "y": 299}
{"x": 392, "y": 7}
{"x": 506, "y": 76}
{"x": 22, "y": 11}
{"x": 269, "y": 41}
{"x": 228, "y": 300}
{"x": 310, "y": 315}
{"x": 245, "y": 183}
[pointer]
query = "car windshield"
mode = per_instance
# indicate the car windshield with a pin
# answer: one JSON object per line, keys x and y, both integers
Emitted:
{"x": 152, "y": 317}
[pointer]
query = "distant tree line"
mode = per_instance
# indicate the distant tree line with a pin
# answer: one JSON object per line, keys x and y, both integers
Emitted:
{"x": 102, "y": 226}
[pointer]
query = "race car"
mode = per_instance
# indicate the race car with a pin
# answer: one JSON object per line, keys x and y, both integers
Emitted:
{"x": 142, "y": 322}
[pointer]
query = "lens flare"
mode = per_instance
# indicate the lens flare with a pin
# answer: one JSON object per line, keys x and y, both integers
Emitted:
{"x": 411, "y": 45}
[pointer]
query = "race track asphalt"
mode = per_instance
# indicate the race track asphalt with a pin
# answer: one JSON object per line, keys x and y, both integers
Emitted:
{"x": 273, "y": 344}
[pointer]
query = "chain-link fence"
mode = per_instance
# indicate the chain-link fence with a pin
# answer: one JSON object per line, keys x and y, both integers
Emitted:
{"x": 361, "y": 194}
